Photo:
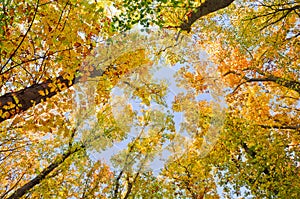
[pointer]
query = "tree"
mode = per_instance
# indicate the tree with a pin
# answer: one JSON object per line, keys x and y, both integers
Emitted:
{"x": 44, "y": 42}
{"x": 42, "y": 85}
{"x": 258, "y": 62}
{"x": 52, "y": 50}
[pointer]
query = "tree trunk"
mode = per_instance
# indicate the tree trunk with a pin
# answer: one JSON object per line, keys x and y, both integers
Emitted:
{"x": 14, "y": 103}
{"x": 35, "y": 181}
{"x": 209, "y": 6}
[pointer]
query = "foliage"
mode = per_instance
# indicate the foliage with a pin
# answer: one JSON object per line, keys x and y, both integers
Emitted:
{"x": 73, "y": 87}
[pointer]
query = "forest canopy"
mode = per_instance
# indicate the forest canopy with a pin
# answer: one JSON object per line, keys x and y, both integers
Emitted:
{"x": 149, "y": 99}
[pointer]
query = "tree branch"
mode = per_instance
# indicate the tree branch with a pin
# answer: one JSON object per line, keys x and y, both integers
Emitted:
{"x": 19, "y": 45}
{"x": 14, "y": 103}
{"x": 283, "y": 127}
{"x": 290, "y": 84}
{"x": 35, "y": 181}
{"x": 209, "y": 6}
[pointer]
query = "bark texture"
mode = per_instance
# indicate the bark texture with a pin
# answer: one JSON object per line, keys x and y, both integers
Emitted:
{"x": 205, "y": 8}
{"x": 14, "y": 103}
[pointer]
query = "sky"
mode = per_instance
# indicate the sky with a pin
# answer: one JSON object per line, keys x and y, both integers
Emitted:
{"x": 162, "y": 71}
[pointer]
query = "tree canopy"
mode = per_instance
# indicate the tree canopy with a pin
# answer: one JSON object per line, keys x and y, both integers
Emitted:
{"x": 149, "y": 99}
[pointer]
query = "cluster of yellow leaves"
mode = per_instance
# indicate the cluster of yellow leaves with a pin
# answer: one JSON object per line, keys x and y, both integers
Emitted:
{"x": 191, "y": 175}
{"x": 122, "y": 66}
{"x": 194, "y": 80}
{"x": 174, "y": 13}
{"x": 45, "y": 38}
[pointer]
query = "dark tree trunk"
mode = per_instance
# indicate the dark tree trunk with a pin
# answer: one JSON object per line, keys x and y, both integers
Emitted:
{"x": 205, "y": 8}
{"x": 35, "y": 181}
{"x": 14, "y": 103}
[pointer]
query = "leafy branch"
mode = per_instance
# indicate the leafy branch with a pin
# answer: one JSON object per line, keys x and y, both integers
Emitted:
{"x": 23, "y": 38}
{"x": 54, "y": 165}
{"x": 290, "y": 84}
